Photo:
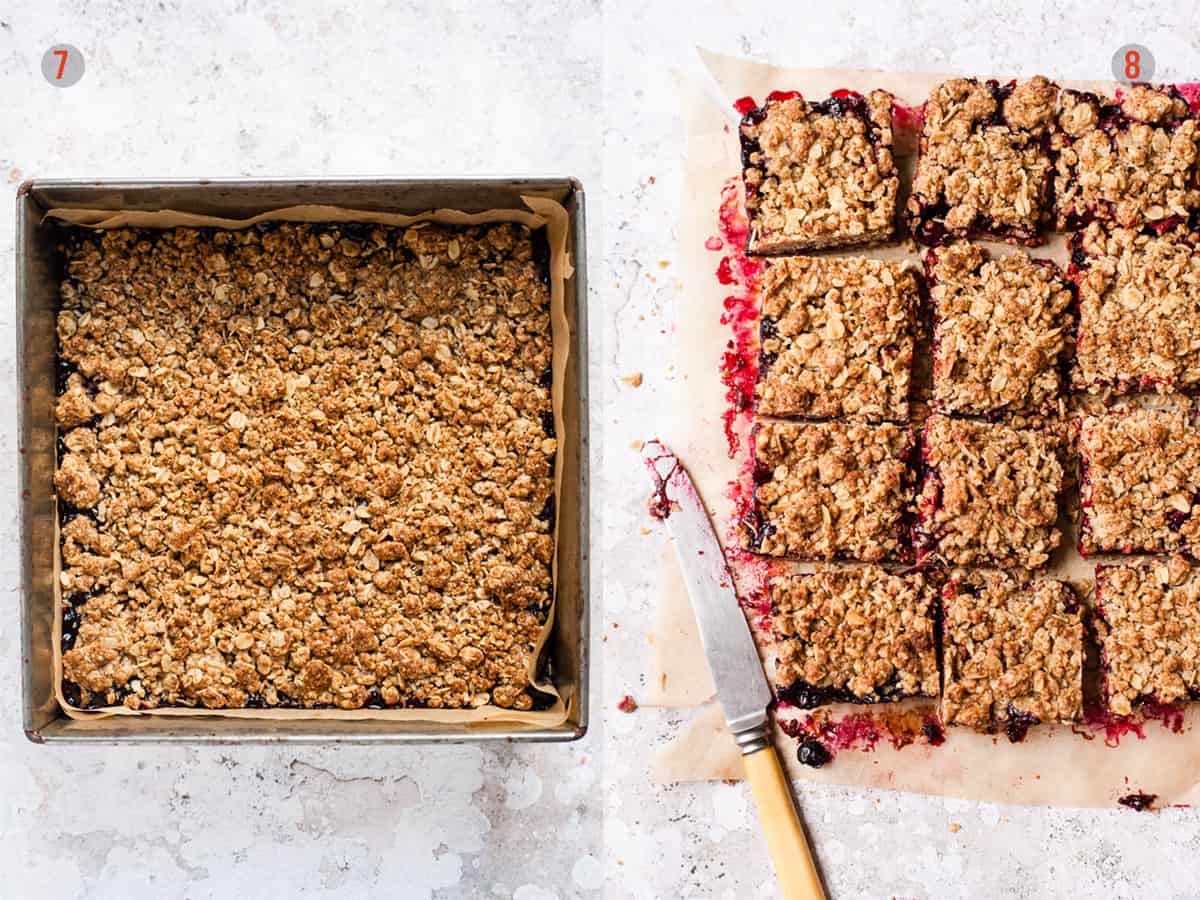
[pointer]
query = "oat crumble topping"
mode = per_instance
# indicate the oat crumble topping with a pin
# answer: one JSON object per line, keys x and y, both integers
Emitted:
{"x": 310, "y": 466}
{"x": 1132, "y": 162}
{"x": 984, "y": 162}
{"x": 1141, "y": 482}
{"x": 1139, "y": 309}
{"x": 1001, "y": 328}
{"x": 831, "y": 490}
{"x": 837, "y": 338}
{"x": 1012, "y": 651}
{"x": 1150, "y": 632}
{"x": 989, "y": 494}
{"x": 861, "y": 635}
{"x": 819, "y": 174}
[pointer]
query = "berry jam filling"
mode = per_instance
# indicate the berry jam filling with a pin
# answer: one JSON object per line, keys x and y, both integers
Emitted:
{"x": 803, "y": 695}
{"x": 659, "y": 504}
{"x": 1138, "y": 801}
{"x": 739, "y": 362}
{"x": 1017, "y": 724}
{"x": 813, "y": 753}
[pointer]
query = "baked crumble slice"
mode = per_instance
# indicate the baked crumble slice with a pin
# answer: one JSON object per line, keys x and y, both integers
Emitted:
{"x": 983, "y": 166}
{"x": 1012, "y": 652}
{"x": 831, "y": 490}
{"x": 1149, "y": 632}
{"x": 1132, "y": 162}
{"x": 837, "y": 338}
{"x": 854, "y": 636}
{"x": 1139, "y": 309}
{"x": 1139, "y": 482}
{"x": 989, "y": 494}
{"x": 305, "y": 466}
{"x": 819, "y": 174}
{"x": 1001, "y": 330}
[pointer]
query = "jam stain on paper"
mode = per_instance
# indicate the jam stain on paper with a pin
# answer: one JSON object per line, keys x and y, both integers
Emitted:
{"x": 1138, "y": 801}
{"x": 859, "y": 731}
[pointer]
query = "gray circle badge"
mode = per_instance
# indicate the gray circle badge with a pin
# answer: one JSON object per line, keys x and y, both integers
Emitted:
{"x": 1133, "y": 62}
{"x": 63, "y": 65}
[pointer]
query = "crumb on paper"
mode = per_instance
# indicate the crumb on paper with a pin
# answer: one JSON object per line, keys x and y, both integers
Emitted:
{"x": 634, "y": 380}
{"x": 637, "y": 445}
{"x": 955, "y": 827}
{"x": 627, "y": 704}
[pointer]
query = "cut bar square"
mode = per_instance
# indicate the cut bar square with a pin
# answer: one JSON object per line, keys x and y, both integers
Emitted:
{"x": 831, "y": 490}
{"x": 854, "y": 636}
{"x": 1132, "y": 162}
{"x": 819, "y": 174}
{"x": 1012, "y": 652}
{"x": 1140, "y": 482}
{"x": 837, "y": 338}
{"x": 1001, "y": 330}
{"x": 1149, "y": 632}
{"x": 984, "y": 164}
{"x": 1139, "y": 309}
{"x": 989, "y": 495}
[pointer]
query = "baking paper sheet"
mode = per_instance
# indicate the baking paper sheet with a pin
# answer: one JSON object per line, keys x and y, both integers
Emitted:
{"x": 1055, "y": 764}
{"x": 541, "y": 212}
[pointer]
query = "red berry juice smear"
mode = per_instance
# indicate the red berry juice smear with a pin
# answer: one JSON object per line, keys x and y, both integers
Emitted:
{"x": 1190, "y": 90}
{"x": 860, "y": 731}
{"x": 739, "y": 373}
{"x": 1100, "y": 721}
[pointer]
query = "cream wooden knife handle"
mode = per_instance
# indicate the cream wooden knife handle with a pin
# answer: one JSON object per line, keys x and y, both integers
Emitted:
{"x": 794, "y": 866}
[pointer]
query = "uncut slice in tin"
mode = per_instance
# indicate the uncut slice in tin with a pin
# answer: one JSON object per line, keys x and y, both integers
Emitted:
{"x": 854, "y": 636}
{"x": 831, "y": 490}
{"x": 837, "y": 338}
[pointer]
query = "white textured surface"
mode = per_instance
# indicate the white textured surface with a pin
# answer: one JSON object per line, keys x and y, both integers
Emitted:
{"x": 279, "y": 87}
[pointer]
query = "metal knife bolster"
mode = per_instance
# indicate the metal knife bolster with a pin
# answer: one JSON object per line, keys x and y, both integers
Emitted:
{"x": 732, "y": 655}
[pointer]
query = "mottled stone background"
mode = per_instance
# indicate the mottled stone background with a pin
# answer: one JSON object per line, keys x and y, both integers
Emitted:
{"x": 229, "y": 87}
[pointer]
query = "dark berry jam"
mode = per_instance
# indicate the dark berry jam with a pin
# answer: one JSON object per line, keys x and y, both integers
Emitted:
{"x": 813, "y": 753}
{"x": 1139, "y": 801}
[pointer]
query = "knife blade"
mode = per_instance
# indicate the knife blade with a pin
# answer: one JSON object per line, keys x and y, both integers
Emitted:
{"x": 728, "y": 645}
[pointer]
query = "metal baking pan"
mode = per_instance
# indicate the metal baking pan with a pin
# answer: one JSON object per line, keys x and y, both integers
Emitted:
{"x": 38, "y": 276}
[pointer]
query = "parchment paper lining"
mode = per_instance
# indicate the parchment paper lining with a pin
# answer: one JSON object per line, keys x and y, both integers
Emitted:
{"x": 542, "y": 211}
{"x": 1053, "y": 765}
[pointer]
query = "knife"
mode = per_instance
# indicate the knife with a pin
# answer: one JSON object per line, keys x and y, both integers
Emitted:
{"x": 736, "y": 669}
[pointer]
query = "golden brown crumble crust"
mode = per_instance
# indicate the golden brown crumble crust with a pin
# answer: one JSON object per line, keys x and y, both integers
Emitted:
{"x": 1139, "y": 310}
{"x": 320, "y": 465}
{"x": 1143, "y": 169}
{"x": 1011, "y": 651}
{"x": 837, "y": 338}
{"x": 1141, "y": 482}
{"x": 819, "y": 179}
{"x": 862, "y": 630}
{"x": 984, "y": 165}
{"x": 832, "y": 490}
{"x": 1149, "y": 632}
{"x": 1001, "y": 328}
{"x": 990, "y": 493}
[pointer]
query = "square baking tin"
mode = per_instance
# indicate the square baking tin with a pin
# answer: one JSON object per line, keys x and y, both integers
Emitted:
{"x": 39, "y": 271}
